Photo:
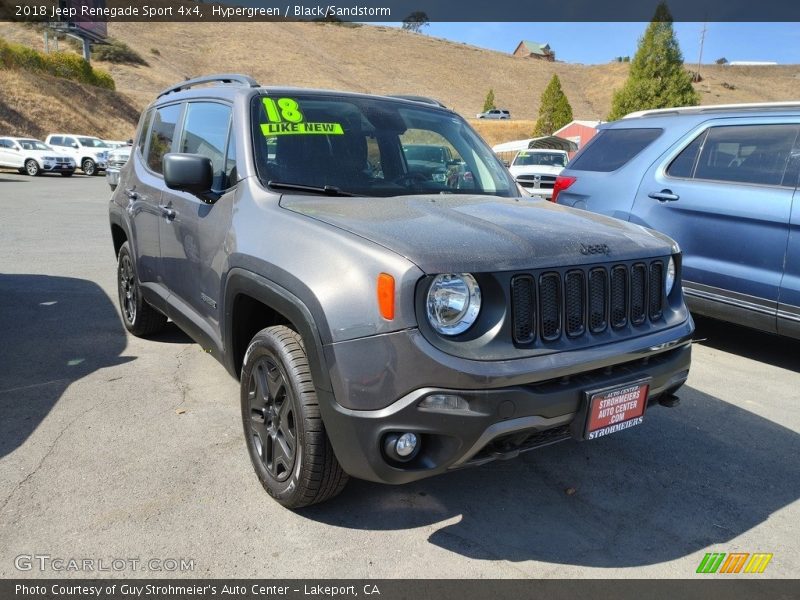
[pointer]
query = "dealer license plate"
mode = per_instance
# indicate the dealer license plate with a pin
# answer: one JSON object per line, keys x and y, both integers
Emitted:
{"x": 615, "y": 409}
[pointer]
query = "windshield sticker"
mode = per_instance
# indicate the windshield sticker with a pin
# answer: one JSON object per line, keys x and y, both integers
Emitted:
{"x": 286, "y": 118}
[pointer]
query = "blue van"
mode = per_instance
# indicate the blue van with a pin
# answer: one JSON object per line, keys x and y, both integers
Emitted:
{"x": 720, "y": 180}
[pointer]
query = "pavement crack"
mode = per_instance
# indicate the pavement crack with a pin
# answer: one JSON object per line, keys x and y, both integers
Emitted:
{"x": 47, "y": 454}
{"x": 177, "y": 378}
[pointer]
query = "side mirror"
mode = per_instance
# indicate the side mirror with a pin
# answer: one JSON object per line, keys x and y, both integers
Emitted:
{"x": 190, "y": 173}
{"x": 506, "y": 164}
{"x": 74, "y": 144}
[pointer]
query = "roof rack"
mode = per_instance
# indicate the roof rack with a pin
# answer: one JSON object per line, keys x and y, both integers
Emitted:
{"x": 221, "y": 78}
{"x": 682, "y": 110}
{"x": 423, "y": 99}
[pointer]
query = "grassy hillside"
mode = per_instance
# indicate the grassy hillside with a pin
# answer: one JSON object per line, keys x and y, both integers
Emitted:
{"x": 366, "y": 58}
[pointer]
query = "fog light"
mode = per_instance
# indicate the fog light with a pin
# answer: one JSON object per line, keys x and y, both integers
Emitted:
{"x": 406, "y": 444}
{"x": 401, "y": 447}
{"x": 444, "y": 402}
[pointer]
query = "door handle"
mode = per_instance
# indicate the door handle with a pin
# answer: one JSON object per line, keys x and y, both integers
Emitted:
{"x": 664, "y": 196}
{"x": 132, "y": 195}
{"x": 169, "y": 213}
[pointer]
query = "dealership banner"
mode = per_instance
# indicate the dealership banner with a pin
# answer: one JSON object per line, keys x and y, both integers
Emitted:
{"x": 396, "y": 589}
{"x": 89, "y": 11}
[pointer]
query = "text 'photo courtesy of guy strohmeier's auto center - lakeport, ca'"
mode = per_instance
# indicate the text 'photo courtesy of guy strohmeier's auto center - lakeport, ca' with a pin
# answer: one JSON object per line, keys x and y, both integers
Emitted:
{"x": 399, "y": 299}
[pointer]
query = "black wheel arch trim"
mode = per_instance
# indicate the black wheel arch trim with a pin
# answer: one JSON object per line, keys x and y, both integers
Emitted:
{"x": 241, "y": 281}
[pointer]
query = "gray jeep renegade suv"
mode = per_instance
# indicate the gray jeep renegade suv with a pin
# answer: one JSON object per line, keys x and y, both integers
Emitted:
{"x": 385, "y": 324}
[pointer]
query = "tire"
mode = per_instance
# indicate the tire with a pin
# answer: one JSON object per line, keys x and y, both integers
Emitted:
{"x": 88, "y": 166}
{"x": 67, "y": 173}
{"x": 283, "y": 429}
{"x": 32, "y": 168}
{"x": 138, "y": 316}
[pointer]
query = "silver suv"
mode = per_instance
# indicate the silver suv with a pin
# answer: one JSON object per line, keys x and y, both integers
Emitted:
{"x": 385, "y": 323}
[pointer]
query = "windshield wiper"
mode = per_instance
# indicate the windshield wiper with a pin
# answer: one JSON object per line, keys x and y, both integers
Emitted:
{"x": 328, "y": 190}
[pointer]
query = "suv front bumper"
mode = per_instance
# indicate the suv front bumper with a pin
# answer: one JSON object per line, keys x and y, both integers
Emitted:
{"x": 513, "y": 406}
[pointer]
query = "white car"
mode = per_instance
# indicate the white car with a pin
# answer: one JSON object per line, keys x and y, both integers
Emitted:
{"x": 113, "y": 144}
{"x": 536, "y": 170}
{"x": 116, "y": 160}
{"x": 34, "y": 157}
{"x": 91, "y": 153}
{"x": 495, "y": 113}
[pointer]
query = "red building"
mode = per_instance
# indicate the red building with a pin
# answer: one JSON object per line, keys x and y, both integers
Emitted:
{"x": 579, "y": 132}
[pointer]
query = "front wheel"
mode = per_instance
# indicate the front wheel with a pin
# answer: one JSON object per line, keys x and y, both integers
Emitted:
{"x": 88, "y": 166}
{"x": 283, "y": 429}
{"x": 32, "y": 168}
{"x": 138, "y": 316}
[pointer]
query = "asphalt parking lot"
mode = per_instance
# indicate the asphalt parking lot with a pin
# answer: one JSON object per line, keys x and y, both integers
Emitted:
{"x": 112, "y": 447}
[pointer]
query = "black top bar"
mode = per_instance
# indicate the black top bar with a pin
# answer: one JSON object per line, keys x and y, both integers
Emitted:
{"x": 223, "y": 78}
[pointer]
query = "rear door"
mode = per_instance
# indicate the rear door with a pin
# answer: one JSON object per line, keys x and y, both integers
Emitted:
{"x": 8, "y": 156}
{"x": 789, "y": 295}
{"x": 143, "y": 192}
{"x": 724, "y": 195}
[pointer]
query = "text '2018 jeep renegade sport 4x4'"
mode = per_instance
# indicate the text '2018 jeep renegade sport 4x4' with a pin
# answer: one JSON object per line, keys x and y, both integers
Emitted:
{"x": 383, "y": 324}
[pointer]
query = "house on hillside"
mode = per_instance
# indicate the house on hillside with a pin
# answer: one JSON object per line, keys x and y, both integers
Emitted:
{"x": 579, "y": 132}
{"x": 529, "y": 49}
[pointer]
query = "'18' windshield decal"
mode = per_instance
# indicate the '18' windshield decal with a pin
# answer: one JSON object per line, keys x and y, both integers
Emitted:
{"x": 286, "y": 118}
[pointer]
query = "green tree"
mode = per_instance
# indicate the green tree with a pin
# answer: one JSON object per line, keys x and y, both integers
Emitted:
{"x": 657, "y": 78}
{"x": 416, "y": 21}
{"x": 554, "y": 109}
{"x": 488, "y": 104}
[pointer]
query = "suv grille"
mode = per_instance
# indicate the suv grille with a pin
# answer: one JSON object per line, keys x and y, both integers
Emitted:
{"x": 585, "y": 300}
{"x": 544, "y": 182}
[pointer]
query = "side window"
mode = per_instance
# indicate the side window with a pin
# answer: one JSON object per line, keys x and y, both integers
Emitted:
{"x": 5, "y": 144}
{"x": 162, "y": 132}
{"x": 683, "y": 164}
{"x": 757, "y": 154}
{"x": 57, "y": 141}
{"x": 68, "y": 141}
{"x": 142, "y": 140}
{"x": 205, "y": 132}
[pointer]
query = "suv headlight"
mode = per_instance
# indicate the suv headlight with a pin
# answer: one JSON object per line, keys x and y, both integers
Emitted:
{"x": 670, "y": 275}
{"x": 453, "y": 303}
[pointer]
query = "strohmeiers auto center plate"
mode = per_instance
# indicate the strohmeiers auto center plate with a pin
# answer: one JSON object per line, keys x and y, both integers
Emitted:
{"x": 615, "y": 409}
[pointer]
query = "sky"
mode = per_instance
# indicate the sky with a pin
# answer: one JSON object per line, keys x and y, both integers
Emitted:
{"x": 593, "y": 43}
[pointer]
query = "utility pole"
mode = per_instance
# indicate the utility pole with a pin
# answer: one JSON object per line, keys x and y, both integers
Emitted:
{"x": 700, "y": 58}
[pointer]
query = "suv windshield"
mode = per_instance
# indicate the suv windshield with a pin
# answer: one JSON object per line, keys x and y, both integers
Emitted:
{"x": 33, "y": 145}
{"x": 92, "y": 142}
{"x": 371, "y": 146}
{"x": 550, "y": 159}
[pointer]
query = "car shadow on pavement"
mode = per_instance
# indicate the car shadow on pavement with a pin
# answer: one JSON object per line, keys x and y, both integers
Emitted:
{"x": 775, "y": 350}
{"x": 689, "y": 477}
{"x": 56, "y": 330}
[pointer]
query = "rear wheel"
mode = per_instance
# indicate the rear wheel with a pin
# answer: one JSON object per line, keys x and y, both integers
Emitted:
{"x": 88, "y": 166}
{"x": 283, "y": 429}
{"x": 32, "y": 168}
{"x": 138, "y": 316}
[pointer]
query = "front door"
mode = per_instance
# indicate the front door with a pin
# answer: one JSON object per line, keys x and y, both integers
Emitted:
{"x": 193, "y": 232}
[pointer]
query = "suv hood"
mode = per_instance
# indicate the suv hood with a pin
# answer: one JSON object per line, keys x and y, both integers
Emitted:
{"x": 444, "y": 234}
